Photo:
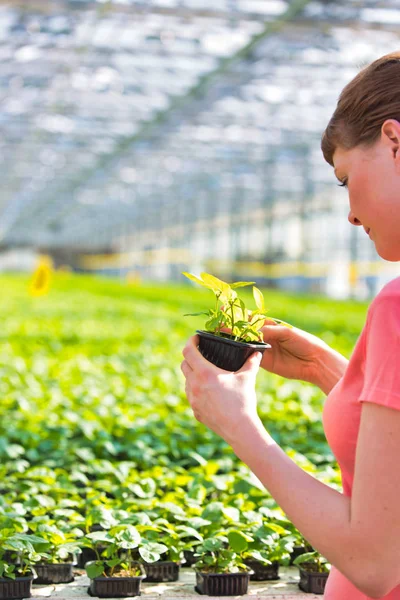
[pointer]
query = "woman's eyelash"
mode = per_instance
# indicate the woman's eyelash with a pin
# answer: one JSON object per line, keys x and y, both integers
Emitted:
{"x": 343, "y": 184}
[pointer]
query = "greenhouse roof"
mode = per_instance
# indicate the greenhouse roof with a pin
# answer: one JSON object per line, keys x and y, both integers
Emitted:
{"x": 113, "y": 110}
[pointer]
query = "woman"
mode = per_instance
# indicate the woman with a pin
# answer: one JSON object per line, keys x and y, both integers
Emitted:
{"x": 358, "y": 531}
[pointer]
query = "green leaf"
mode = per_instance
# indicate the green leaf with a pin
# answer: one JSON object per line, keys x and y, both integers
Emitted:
{"x": 217, "y": 285}
{"x": 211, "y": 545}
{"x": 197, "y": 280}
{"x": 94, "y": 569}
{"x": 306, "y": 557}
{"x": 100, "y": 536}
{"x": 239, "y": 284}
{"x": 237, "y": 541}
{"x": 259, "y": 299}
{"x": 280, "y": 322}
{"x": 151, "y": 552}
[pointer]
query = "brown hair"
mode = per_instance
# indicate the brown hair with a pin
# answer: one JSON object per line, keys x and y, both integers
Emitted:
{"x": 372, "y": 97}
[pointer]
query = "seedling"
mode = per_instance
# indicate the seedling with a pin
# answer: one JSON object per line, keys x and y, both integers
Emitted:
{"x": 115, "y": 551}
{"x": 221, "y": 554}
{"x": 230, "y": 311}
{"x": 23, "y": 545}
{"x": 313, "y": 561}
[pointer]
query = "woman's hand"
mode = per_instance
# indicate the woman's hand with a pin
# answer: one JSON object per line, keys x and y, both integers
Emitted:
{"x": 221, "y": 400}
{"x": 296, "y": 354}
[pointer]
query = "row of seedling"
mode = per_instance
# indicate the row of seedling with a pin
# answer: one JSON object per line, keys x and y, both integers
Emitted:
{"x": 117, "y": 560}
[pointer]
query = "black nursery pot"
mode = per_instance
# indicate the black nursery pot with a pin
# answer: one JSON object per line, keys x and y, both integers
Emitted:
{"x": 15, "y": 589}
{"x": 262, "y": 572}
{"x": 222, "y": 584}
{"x": 226, "y": 353}
{"x": 56, "y": 573}
{"x": 161, "y": 571}
{"x": 87, "y": 555}
{"x": 115, "y": 587}
{"x": 190, "y": 558}
{"x": 312, "y": 582}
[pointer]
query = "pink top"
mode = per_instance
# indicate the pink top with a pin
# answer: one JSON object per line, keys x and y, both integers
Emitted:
{"x": 373, "y": 375}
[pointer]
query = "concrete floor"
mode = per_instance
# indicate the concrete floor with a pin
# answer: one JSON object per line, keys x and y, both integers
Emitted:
{"x": 286, "y": 588}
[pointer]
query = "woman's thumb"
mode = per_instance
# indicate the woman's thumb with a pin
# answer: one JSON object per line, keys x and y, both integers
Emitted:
{"x": 252, "y": 363}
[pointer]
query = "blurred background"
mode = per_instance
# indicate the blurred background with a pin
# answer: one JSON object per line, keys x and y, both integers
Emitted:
{"x": 141, "y": 138}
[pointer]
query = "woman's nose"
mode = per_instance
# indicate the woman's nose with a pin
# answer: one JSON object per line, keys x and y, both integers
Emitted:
{"x": 353, "y": 219}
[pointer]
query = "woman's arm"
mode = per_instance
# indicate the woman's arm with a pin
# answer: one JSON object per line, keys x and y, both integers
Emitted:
{"x": 361, "y": 536}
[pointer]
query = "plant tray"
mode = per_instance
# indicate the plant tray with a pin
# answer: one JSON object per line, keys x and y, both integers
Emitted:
{"x": 226, "y": 353}
{"x": 222, "y": 584}
{"x": 15, "y": 589}
{"x": 161, "y": 571}
{"x": 115, "y": 587}
{"x": 313, "y": 583}
{"x": 54, "y": 573}
{"x": 263, "y": 572}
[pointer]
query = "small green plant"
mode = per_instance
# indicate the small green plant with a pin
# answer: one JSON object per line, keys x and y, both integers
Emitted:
{"x": 230, "y": 312}
{"x": 21, "y": 546}
{"x": 270, "y": 543}
{"x": 116, "y": 552}
{"x": 221, "y": 554}
{"x": 58, "y": 546}
{"x": 313, "y": 561}
{"x": 175, "y": 539}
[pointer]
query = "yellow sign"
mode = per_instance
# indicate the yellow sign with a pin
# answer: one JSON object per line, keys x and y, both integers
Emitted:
{"x": 40, "y": 283}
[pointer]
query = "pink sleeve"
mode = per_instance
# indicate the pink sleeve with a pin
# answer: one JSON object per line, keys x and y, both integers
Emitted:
{"x": 382, "y": 360}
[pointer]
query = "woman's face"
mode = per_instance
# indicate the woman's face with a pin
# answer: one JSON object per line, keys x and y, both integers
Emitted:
{"x": 372, "y": 176}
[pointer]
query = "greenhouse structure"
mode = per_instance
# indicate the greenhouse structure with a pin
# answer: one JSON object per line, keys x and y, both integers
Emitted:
{"x": 152, "y": 137}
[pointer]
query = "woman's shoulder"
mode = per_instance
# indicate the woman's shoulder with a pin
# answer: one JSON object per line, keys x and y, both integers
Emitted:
{"x": 389, "y": 296}
{"x": 392, "y": 288}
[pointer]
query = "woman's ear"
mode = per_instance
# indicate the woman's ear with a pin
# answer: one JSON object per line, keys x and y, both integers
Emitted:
{"x": 390, "y": 136}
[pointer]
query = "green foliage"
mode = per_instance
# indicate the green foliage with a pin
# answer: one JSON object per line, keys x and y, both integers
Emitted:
{"x": 230, "y": 311}
{"x": 114, "y": 551}
{"x": 21, "y": 546}
{"x": 96, "y": 432}
{"x": 221, "y": 554}
{"x": 313, "y": 561}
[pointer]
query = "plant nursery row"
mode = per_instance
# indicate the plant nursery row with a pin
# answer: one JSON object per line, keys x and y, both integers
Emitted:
{"x": 102, "y": 462}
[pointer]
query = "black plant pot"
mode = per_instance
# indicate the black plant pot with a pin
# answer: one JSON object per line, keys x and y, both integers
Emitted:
{"x": 15, "y": 589}
{"x": 161, "y": 571}
{"x": 262, "y": 572}
{"x": 222, "y": 584}
{"x": 226, "y": 353}
{"x": 85, "y": 556}
{"x": 190, "y": 558}
{"x": 115, "y": 587}
{"x": 57, "y": 573}
{"x": 312, "y": 582}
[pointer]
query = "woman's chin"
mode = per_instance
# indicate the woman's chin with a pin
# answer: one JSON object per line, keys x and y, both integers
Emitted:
{"x": 390, "y": 254}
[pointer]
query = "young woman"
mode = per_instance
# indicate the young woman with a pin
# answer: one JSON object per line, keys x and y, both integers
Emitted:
{"x": 358, "y": 530}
